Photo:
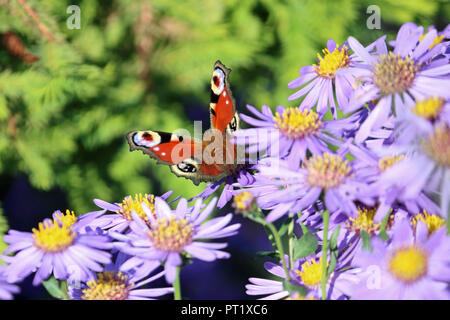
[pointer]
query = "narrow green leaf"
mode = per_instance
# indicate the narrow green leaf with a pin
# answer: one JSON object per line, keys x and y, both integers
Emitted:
{"x": 334, "y": 235}
{"x": 271, "y": 254}
{"x": 365, "y": 237}
{"x": 283, "y": 229}
{"x": 333, "y": 250}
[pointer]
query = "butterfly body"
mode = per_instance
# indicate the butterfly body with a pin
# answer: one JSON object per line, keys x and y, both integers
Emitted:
{"x": 210, "y": 159}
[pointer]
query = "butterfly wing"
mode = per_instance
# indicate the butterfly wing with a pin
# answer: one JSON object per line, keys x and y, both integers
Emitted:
{"x": 167, "y": 148}
{"x": 222, "y": 104}
{"x": 197, "y": 171}
{"x": 182, "y": 154}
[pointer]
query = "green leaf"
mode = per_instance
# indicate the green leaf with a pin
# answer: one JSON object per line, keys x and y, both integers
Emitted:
{"x": 365, "y": 237}
{"x": 283, "y": 229}
{"x": 271, "y": 254}
{"x": 289, "y": 286}
{"x": 333, "y": 240}
{"x": 54, "y": 289}
{"x": 333, "y": 251}
{"x": 305, "y": 246}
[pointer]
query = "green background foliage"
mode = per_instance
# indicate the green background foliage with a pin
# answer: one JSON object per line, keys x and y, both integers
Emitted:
{"x": 146, "y": 65}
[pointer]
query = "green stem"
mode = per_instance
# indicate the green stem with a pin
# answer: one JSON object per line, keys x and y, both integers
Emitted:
{"x": 176, "y": 285}
{"x": 326, "y": 219}
{"x": 291, "y": 243}
{"x": 277, "y": 239}
{"x": 448, "y": 223}
{"x": 279, "y": 247}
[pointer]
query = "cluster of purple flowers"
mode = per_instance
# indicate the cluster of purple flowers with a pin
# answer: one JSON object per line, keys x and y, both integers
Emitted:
{"x": 111, "y": 254}
{"x": 382, "y": 171}
{"x": 359, "y": 171}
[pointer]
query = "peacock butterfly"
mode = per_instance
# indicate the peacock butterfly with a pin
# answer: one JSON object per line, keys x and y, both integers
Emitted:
{"x": 210, "y": 159}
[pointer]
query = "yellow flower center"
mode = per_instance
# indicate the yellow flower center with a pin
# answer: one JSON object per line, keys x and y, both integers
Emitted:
{"x": 387, "y": 162}
{"x": 326, "y": 171}
{"x": 438, "y": 39}
{"x": 110, "y": 285}
{"x": 394, "y": 74}
{"x": 408, "y": 264}
{"x": 310, "y": 273}
{"x": 243, "y": 201}
{"x": 438, "y": 145}
{"x": 429, "y": 108}
{"x": 364, "y": 221}
{"x": 297, "y": 296}
{"x": 432, "y": 221}
{"x": 67, "y": 219}
{"x": 130, "y": 204}
{"x": 331, "y": 62}
{"x": 171, "y": 234}
{"x": 297, "y": 124}
{"x": 55, "y": 235}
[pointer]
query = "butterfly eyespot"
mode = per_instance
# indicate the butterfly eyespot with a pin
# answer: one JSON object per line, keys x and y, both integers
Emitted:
{"x": 186, "y": 167}
{"x": 218, "y": 81}
{"x": 146, "y": 139}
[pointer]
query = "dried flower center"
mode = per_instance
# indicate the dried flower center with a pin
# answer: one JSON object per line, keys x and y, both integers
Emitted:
{"x": 429, "y": 108}
{"x": 110, "y": 285}
{"x": 326, "y": 171}
{"x": 387, "y": 162}
{"x": 438, "y": 145}
{"x": 171, "y": 234}
{"x": 331, "y": 62}
{"x": 310, "y": 273}
{"x": 130, "y": 204}
{"x": 394, "y": 74}
{"x": 432, "y": 221}
{"x": 438, "y": 39}
{"x": 243, "y": 201}
{"x": 408, "y": 264}
{"x": 297, "y": 124}
{"x": 364, "y": 221}
{"x": 55, "y": 235}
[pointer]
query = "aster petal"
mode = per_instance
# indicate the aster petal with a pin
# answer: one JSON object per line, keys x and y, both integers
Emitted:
{"x": 360, "y": 50}
{"x": 200, "y": 253}
{"x": 106, "y": 205}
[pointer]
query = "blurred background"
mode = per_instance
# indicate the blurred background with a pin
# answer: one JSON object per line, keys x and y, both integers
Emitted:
{"x": 69, "y": 96}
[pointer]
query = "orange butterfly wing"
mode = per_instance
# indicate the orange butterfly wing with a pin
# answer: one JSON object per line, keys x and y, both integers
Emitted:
{"x": 222, "y": 104}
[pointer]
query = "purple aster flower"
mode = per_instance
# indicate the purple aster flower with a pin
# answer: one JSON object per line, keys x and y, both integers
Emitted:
{"x": 411, "y": 71}
{"x": 336, "y": 69}
{"x": 289, "y": 133}
{"x": 57, "y": 247}
{"x": 424, "y": 145}
{"x": 282, "y": 190}
{"x": 349, "y": 240}
{"x": 170, "y": 235}
{"x": 6, "y": 289}
{"x": 378, "y": 163}
{"x": 120, "y": 220}
{"x": 241, "y": 179}
{"x": 114, "y": 284}
{"x": 410, "y": 267}
{"x": 440, "y": 36}
{"x": 306, "y": 273}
